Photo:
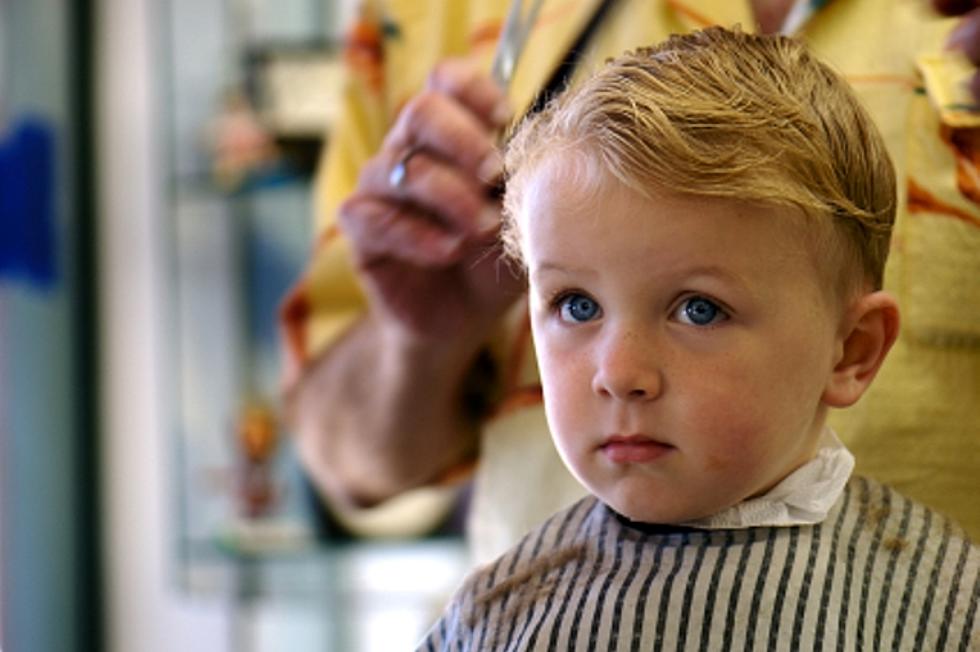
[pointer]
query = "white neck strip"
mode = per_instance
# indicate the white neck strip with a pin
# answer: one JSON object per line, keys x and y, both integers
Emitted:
{"x": 804, "y": 497}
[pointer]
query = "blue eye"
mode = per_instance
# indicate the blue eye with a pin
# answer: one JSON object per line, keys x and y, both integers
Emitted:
{"x": 699, "y": 311}
{"x": 577, "y": 308}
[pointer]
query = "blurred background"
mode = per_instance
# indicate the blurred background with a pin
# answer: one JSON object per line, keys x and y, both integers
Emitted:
{"x": 156, "y": 158}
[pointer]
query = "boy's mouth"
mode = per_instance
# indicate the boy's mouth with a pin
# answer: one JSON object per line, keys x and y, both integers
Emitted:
{"x": 627, "y": 449}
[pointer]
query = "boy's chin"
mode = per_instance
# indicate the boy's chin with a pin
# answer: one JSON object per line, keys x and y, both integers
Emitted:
{"x": 653, "y": 515}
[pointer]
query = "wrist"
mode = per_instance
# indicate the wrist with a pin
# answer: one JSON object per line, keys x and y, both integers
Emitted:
{"x": 403, "y": 351}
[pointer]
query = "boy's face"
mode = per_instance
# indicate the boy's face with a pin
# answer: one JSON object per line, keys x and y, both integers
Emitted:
{"x": 684, "y": 344}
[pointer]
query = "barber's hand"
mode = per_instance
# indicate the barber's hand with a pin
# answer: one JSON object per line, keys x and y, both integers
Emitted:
{"x": 425, "y": 243}
{"x": 966, "y": 36}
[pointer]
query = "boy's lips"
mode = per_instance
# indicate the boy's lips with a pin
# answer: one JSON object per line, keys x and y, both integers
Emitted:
{"x": 633, "y": 448}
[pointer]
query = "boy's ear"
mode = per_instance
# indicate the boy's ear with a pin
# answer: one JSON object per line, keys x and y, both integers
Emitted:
{"x": 870, "y": 328}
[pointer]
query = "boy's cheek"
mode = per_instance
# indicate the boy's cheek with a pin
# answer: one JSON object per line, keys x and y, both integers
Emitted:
{"x": 725, "y": 438}
{"x": 715, "y": 462}
{"x": 560, "y": 361}
{"x": 562, "y": 395}
{"x": 568, "y": 405}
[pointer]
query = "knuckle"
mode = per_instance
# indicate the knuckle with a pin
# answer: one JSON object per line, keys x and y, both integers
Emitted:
{"x": 417, "y": 111}
{"x": 418, "y": 169}
{"x": 348, "y": 213}
{"x": 449, "y": 75}
{"x": 370, "y": 170}
{"x": 359, "y": 214}
{"x": 438, "y": 74}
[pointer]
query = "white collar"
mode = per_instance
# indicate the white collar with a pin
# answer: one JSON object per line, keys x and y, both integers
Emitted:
{"x": 804, "y": 497}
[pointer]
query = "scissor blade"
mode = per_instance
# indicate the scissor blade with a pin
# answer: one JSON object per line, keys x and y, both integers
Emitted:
{"x": 513, "y": 38}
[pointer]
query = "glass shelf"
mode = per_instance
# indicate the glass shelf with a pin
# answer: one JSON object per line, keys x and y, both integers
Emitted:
{"x": 364, "y": 596}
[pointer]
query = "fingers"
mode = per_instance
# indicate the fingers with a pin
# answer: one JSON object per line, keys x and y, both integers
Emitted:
{"x": 437, "y": 209}
{"x": 438, "y": 124}
{"x": 464, "y": 80}
{"x": 434, "y": 186}
{"x": 382, "y": 230}
{"x": 456, "y": 118}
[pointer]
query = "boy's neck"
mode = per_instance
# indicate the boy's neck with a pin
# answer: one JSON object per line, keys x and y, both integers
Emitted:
{"x": 770, "y": 14}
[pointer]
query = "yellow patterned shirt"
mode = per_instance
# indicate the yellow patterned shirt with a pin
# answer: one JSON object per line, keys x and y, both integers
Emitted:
{"x": 918, "y": 427}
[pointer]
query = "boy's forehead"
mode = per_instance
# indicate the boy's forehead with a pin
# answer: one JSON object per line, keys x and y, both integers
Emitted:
{"x": 578, "y": 181}
{"x": 572, "y": 191}
{"x": 573, "y": 168}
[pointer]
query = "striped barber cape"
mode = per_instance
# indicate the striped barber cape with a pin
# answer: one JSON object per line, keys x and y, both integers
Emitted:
{"x": 880, "y": 573}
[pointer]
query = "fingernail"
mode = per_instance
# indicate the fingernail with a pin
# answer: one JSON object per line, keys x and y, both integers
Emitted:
{"x": 488, "y": 220}
{"x": 502, "y": 113}
{"x": 491, "y": 168}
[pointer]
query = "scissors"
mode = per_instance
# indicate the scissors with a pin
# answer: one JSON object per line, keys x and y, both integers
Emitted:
{"x": 513, "y": 38}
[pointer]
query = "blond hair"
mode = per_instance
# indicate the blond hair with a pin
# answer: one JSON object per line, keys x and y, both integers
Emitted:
{"x": 723, "y": 113}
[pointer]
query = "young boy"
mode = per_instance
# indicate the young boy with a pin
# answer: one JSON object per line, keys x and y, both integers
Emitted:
{"x": 704, "y": 226}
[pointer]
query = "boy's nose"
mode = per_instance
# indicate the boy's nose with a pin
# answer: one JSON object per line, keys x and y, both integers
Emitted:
{"x": 626, "y": 369}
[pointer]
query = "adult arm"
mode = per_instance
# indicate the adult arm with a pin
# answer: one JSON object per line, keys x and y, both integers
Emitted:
{"x": 382, "y": 409}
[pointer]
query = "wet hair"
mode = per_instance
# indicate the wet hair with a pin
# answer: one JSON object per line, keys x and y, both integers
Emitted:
{"x": 727, "y": 114}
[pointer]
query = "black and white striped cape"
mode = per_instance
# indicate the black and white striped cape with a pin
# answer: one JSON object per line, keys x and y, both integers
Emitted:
{"x": 880, "y": 573}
